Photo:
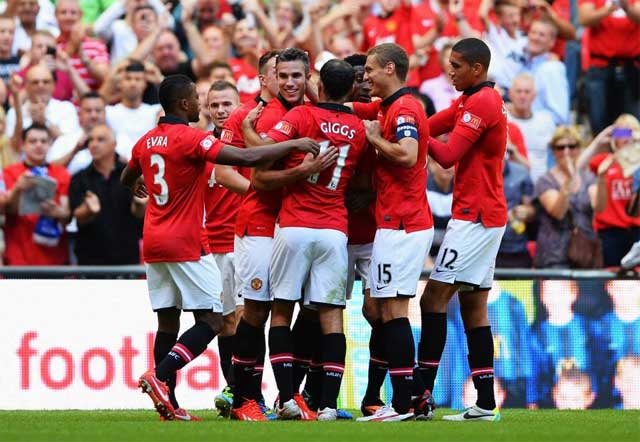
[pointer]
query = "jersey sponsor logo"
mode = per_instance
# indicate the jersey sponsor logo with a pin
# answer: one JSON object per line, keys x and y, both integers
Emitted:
{"x": 207, "y": 142}
{"x": 338, "y": 129}
{"x": 256, "y": 283}
{"x": 471, "y": 120}
{"x": 226, "y": 135}
{"x": 283, "y": 127}
{"x": 160, "y": 141}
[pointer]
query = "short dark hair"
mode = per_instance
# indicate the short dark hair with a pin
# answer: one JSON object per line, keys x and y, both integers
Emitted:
{"x": 473, "y": 50}
{"x": 174, "y": 88}
{"x": 294, "y": 54}
{"x": 91, "y": 95}
{"x": 36, "y": 126}
{"x": 262, "y": 62}
{"x": 337, "y": 77}
{"x": 134, "y": 66}
{"x": 220, "y": 64}
{"x": 356, "y": 60}
{"x": 392, "y": 53}
{"x": 221, "y": 85}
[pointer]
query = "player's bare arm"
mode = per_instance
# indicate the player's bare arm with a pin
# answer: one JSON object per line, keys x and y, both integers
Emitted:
{"x": 234, "y": 156}
{"x": 251, "y": 137}
{"x": 267, "y": 179}
{"x": 403, "y": 153}
{"x": 230, "y": 178}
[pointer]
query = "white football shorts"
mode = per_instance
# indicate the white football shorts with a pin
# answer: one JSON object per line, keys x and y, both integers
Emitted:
{"x": 358, "y": 264}
{"x": 252, "y": 255}
{"x": 230, "y": 296}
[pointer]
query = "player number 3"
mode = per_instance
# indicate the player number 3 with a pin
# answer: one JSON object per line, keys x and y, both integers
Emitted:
{"x": 163, "y": 197}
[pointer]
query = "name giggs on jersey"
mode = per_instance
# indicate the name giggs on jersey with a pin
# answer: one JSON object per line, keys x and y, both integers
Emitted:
{"x": 338, "y": 129}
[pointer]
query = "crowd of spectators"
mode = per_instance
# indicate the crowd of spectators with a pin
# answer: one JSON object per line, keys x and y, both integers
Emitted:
{"x": 80, "y": 81}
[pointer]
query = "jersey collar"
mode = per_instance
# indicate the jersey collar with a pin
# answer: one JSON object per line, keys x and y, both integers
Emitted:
{"x": 393, "y": 97}
{"x": 284, "y": 102}
{"x": 171, "y": 119}
{"x": 335, "y": 107}
{"x": 472, "y": 90}
{"x": 258, "y": 99}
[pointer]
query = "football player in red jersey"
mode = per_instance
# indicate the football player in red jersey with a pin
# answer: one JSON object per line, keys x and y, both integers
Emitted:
{"x": 477, "y": 127}
{"x": 181, "y": 275}
{"x": 221, "y": 207}
{"x": 255, "y": 227}
{"x": 400, "y": 135}
{"x": 310, "y": 247}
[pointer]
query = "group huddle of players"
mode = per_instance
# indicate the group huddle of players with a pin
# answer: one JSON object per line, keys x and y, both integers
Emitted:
{"x": 311, "y": 185}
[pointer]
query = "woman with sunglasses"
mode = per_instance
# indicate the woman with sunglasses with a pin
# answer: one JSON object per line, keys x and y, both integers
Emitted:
{"x": 617, "y": 230}
{"x": 564, "y": 194}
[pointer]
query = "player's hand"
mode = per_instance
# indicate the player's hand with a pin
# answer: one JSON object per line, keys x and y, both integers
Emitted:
{"x": 92, "y": 201}
{"x": 316, "y": 164}
{"x": 252, "y": 116}
{"x": 373, "y": 128}
{"x": 307, "y": 145}
{"x": 139, "y": 189}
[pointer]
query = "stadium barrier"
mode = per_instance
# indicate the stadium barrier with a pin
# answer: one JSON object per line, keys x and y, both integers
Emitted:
{"x": 78, "y": 337}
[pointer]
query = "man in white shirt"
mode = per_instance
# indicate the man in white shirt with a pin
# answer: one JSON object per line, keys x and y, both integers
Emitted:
{"x": 131, "y": 118}
{"x": 537, "y": 127}
{"x": 32, "y": 15}
{"x": 60, "y": 117}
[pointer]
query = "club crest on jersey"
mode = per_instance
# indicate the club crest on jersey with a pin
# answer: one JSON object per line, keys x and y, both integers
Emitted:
{"x": 283, "y": 127}
{"x": 405, "y": 119}
{"x": 207, "y": 142}
{"x": 256, "y": 283}
{"x": 226, "y": 135}
{"x": 471, "y": 120}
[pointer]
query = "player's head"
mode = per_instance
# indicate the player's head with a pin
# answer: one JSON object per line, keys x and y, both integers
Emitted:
{"x": 625, "y": 296}
{"x": 573, "y": 390}
{"x": 292, "y": 69}
{"x": 178, "y": 97}
{"x": 102, "y": 143}
{"x": 470, "y": 58}
{"x": 267, "y": 72}
{"x": 386, "y": 68}
{"x": 36, "y": 141}
{"x": 336, "y": 81}
{"x": 558, "y": 296}
{"x": 222, "y": 99}
{"x": 541, "y": 37}
{"x": 362, "y": 88}
{"x": 626, "y": 381}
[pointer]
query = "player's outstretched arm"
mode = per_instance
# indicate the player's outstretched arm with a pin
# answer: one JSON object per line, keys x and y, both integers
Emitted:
{"x": 403, "y": 153}
{"x": 231, "y": 179}
{"x": 234, "y": 156}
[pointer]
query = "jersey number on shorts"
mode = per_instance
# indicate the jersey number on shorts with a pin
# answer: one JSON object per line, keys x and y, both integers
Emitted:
{"x": 384, "y": 275}
{"x": 158, "y": 178}
{"x": 343, "y": 151}
{"x": 454, "y": 256}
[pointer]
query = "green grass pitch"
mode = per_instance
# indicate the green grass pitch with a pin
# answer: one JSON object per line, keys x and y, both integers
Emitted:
{"x": 140, "y": 425}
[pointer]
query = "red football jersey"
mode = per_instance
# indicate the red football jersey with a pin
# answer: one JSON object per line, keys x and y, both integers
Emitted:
{"x": 221, "y": 206}
{"x": 318, "y": 201}
{"x": 478, "y": 115}
{"x": 18, "y": 229}
{"x": 401, "y": 201}
{"x": 619, "y": 193}
{"x": 259, "y": 211}
{"x": 362, "y": 224}
{"x": 393, "y": 29}
{"x": 171, "y": 158}
{"x": 246, "y": 77}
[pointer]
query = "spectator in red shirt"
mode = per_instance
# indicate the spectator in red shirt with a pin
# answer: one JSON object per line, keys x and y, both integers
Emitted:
{"x": 613, "y": 79}
{"x": 36, "y": 239}
{"x": 88, "y": 56}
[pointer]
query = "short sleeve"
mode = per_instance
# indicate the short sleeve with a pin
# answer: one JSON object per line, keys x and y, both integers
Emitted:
{"x": 404, "y": 123}
{"x": 208, "y": 147}
{"x": 477, "y": 117}
{"x": 64, "y": 180}
{"x": 9, "y": 178}
{"x": 367, "y": 111}
{"x": 134, "y": 161}
{"x": 595, "y": 162}
{"x": 287, "y": 128}
{"x": 544, "y": 183}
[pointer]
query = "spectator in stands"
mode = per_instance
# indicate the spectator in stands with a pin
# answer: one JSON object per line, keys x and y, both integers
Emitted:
{"x": 440, "y": 195}
{"x": 573, "y": 390}
{"x": 626, "y": 382}
{"x": 506, "y": 39}
{"x": 440, "y": 89}
{"x": 556, "y": 11}
{"x": 60, "y": 117}
{"x": 248, "y": 47}
{"x": 32, "y": 16}
{"x": 550, "y": 74}
{"x": 10, "y": 147}
{"x": 536, "y": 126}
{"x": 518, "y": 191}
{"x": 167, "y": 56}
{"x": 205, "y": 122}
{"x": 35, "y": 239}
{"x": 617, "y": 230}
{"x": 70, "y": 150}
{"x": 564, "y": 197}
{"x": 131, "y": 118}
{"x": 107, "y": 213}
{"x": 89, "y": 56}
{"x": 220, "y": 71}
{"x": 9, "y": 63}
{"x": 613, "y": 78}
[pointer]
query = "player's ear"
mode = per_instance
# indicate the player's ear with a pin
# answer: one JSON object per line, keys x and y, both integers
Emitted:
{"x": 390, "y": 68}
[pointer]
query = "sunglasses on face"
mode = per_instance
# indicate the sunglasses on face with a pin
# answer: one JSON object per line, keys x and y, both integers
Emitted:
{"x": 561, "y": 147}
